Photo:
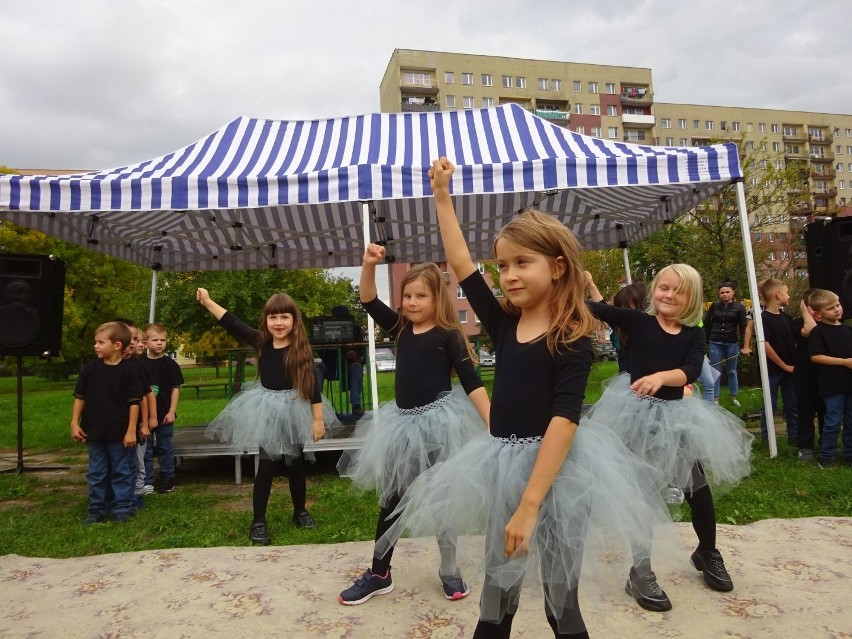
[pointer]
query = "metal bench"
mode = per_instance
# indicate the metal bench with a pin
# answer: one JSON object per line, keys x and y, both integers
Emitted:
{"x": 206, "y": 386}
{"x": 191, "y": 442}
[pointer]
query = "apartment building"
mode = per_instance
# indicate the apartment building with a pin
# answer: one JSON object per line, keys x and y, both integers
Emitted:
{"x": 617, "y": 102}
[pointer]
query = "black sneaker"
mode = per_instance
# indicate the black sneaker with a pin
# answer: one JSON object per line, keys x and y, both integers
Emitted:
{"x": 303, "y": 519}
{"x": 367, "y": 585}
{"x": 710, "y": 562}
{"x": 454, "y": 586}
{"x": 806, "y": 455}
{"x": 95, "y": 519}
{"x": 259, "y": 533}
{"x": 167, "y": 485}
{"x": 647, "y": 592}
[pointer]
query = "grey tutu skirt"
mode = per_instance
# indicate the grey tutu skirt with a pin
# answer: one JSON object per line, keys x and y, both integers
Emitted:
{"x": 601, "y": 493}
{"x": 400, "y": 443}
{"x": 279, "y": 422}
{"x": 673, "y": 435}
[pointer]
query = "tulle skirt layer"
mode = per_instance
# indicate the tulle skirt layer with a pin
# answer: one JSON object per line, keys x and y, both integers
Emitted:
{"x": 602, "y": 494}
{"x": 673, "y": 435}
{"x": 399, "y": 444}
{"x": 279, "y": 422}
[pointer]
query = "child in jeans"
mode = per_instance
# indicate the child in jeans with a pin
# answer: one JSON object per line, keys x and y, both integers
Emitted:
{"x": 808, "y": 400}
{"x": 166, "y": 379}
{"x": 830, "y": 347}
{"x": 105, "y": 415}
{"x": 780, "y": 336}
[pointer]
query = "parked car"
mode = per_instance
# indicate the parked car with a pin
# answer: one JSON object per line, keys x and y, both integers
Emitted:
{"x": 385, "y": 360}
{"x": 486, "y": 358}
{"x": 605, "y": 352}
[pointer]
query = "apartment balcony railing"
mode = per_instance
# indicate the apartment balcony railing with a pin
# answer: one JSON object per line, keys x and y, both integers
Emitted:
{"x": 638, "y": 120}
{"x": 419, "y": 88}
{"x": 420, "y": 108}
{"x": 549, "y": 114}
{"x": 636, "y": 96}
{"x": 795, "y": 155}
{"x": 802, "y": 210}
{"x": 824, "y": 157}
{"x": 830, "y": 192}
{"x": 794, "y": 137}
{"x": 820, "y": 139}
{"x": 824, "y": 175}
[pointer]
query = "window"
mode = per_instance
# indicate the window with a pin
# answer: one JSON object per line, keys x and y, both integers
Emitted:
{"x": 520, "y": 82}
{"x": 749, "y": 127}
{"x": 789, "y": 131}
{"x": 763, "y": 145}
{"x": 838, "y": 149}
{"x": 486, "y": 80}
{"x": 773, "y": 256}
{"x": 815, "y": 133}
{"x": 467, "y": 78}
{"x": 467, "y": 102}
{"x": 778, "y": 164}
{"x": 507, "y": 81}
{"x": 723, "y": 125}
{"x": 761, "y": 127}
{"x": 596, "y": 132}
{"x": 578, "y": 86}
{"x": 839, "y": 167}
{"x": 681, "y": 123}
{"x": 542, "y": 84}
{"x": 487, "y": 102}
{"x": 669, "y": 141}
{"x": 611, "y": 109}
{"x": 753, "y": 181}
{"x": 414, "y": 77}
{"x": 757, "y": 237}
{"x": 632, "y": 135}
{"x": 613, "y": 132}
{"x": 775, "y": 128}
{"x": 451, "y": 101}
{"x": 696, "y": 124}
{"x": 849, "y": 150}
{"x": 593, "y": 87}
{"x": 578, "y": 108}
{"x": 841, "y": 184}
{"x": 770, "y": 237}
{"x": 708, "y": 124}
{"x": 594, "y": 109}
{"x": 782, "y": 237}
{"x": 683, "y": 142}
{"x": 449, "y": 77}
{"x": 610, "y": 88}
{"x": 556, "y": 85}
{"x": 666, "y": 123}
{"x": 735, "y": 126}
{"x": 849, "y": 133}
{"x": 776, "y": 146}
{"x": 480, "y": 267}
{"x": 463, "y": 316}
{"x": 750, "y": 146}
{"x": 460, "y": 293}
{"x": 581, "y": 130}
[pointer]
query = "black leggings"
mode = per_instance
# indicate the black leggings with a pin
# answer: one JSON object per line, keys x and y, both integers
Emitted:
{"x": 295, "y": 472}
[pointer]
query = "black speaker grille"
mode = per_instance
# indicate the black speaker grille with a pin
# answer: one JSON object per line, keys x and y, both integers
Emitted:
{"x": 21, "y": 325}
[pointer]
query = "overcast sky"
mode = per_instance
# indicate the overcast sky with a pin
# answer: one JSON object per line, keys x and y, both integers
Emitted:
{"x": 95, "y": 84}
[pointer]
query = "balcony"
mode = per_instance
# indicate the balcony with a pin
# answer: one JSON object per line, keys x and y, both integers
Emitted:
{"x": 829, "y": 192}
{"x": 802, "y": 209}
{"x": 828, "y": 174}
{"x": 548, "y": 114}
{"x": 794, "y": 138}
{"x": 795, "y": 155}
{"x": 418, "y": 87}
{"x": 638, "y": 120}
{"x": 821, "y": 157}
{"x": 821, "y": 139}
{"x": 636, "y": 96}
{"x": 420, "y": 108}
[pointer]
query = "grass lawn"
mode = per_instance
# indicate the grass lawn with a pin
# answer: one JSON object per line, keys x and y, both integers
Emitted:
{"x": 41, "y": 514}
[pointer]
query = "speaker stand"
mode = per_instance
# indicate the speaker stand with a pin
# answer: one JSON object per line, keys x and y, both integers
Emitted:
{"x": 20, "y": 467}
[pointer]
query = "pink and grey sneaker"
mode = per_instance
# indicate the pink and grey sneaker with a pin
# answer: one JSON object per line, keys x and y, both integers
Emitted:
{"x": 454, "y": 586}
{"x": 366, "y": 586}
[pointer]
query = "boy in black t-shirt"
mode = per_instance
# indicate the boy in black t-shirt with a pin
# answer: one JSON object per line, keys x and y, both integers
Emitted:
{"x": 830, "y": 347}
{"x": 808, "y": 400}
{"x": 166, "y": 379}
{"x": 105, "y": 414}
{"x": 780, "y": 354}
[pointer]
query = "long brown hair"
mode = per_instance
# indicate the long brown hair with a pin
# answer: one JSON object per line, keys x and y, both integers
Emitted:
{"x": 300, "y": 360}
{"x": 446, "y": 315}
{"x": 570, "y": 318}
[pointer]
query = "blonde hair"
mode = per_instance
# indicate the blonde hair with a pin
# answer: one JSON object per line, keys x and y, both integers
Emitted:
{"x": 159, "y": 329}
{"x": 768, "y": 287}
{"x": 570, "y": 318}
{"x": 446, "y": 316}
{"x": 691, "y": 288}
{"x": 300, "y": 360}
{"x": 116, "y": 332}
{"x": 821, "y": 298}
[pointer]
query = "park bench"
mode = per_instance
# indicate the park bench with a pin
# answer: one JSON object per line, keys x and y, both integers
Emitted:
{"x": 192, "y": 442}
{"x": 207, "y": 386}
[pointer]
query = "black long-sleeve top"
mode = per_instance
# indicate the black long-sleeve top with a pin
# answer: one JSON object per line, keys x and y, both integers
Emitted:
{"x": 652, "y": 349}
{"x": 424, "y": 361}
{"x": 531, "y": 385}
{"x": 272, "y": 364}
{"x": 726, "y": 323}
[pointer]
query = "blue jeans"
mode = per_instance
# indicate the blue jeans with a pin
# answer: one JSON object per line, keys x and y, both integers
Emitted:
{"x": 784, "y": 382}
{"x": 722, "y": 353}
{"x": 149, "y": 460}
{"x": 111, "y": 476}
{"x": 356, "y": 382}
{"x": 706, "y": 381}
{"x": 838, "y": 415}
{"x": 163, "y": 450}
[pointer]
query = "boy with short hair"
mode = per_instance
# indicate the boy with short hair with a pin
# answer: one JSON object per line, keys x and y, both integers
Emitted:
{"x": 830, "y": 347}
{"x": 105, "y": 414}
{"x": 808, "y": 400}
{"x": 780, "y": 346}
{"x": 166, "y": 379}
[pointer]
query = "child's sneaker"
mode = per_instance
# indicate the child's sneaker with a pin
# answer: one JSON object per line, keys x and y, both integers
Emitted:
{"x": 806, "y": 455}
{"x": 454, "y": 586}
{"x": 259, "y": 533}
{"x": 167, "y": 485}
{"x": 147, "y": 489}
{"x": 367, "y": 585}
{"x": 303, "y": 519}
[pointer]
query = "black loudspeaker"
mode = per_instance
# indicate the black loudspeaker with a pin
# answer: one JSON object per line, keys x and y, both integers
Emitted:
{"x": 32, "y": 295}
{"x": 829, "y": 247}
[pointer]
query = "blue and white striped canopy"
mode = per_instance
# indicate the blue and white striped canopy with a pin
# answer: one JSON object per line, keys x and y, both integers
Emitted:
{"x": 291, "y": 194}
